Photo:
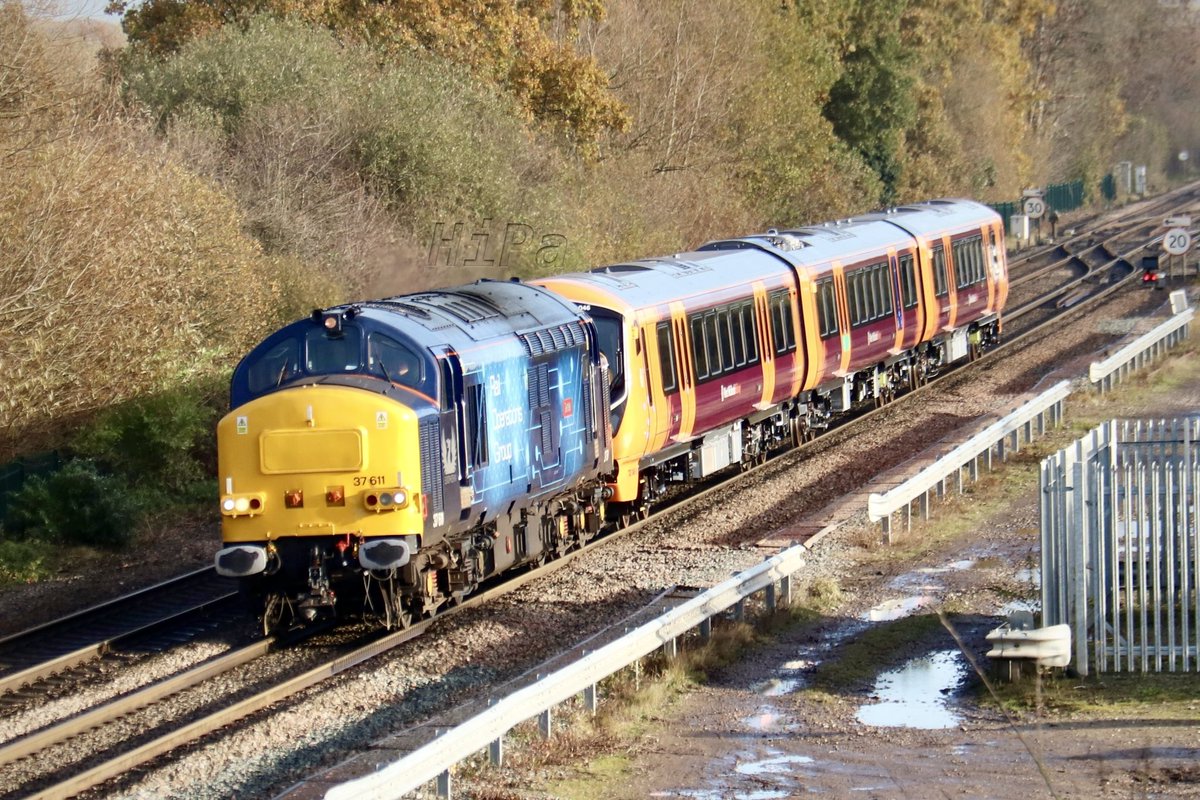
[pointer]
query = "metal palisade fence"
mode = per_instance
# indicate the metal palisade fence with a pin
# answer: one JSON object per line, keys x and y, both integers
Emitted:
{"x": 1120, "y": 556}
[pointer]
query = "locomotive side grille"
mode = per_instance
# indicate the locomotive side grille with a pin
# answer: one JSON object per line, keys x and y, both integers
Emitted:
{"x": 431, "y": 463}
{"x": 543, "y": 384}
{"x": 552, "y": 340}
{"x": 548, "y": 454}
{"x": 587, "y": 405}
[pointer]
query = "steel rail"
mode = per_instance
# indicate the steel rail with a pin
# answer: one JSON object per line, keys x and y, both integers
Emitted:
{"x": 107, "y": 605}
{"x": 114, "y": 709}
{"x": 29, "y": 675}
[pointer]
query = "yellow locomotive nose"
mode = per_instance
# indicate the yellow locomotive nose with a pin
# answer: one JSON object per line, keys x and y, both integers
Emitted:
{"x": 319, "y": 461}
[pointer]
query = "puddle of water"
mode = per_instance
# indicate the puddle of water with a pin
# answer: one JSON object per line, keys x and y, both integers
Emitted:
{"x": 777, "y": 687}
{"x": 1033, "y": 606}
{"x": 895, "y": 609}
{"x": 725, "y": 794}
{"x": 800, "y": 665}
{"x": 775, "y": 765}
{"x": 766, "y": 719}
{"x": 1033, "y": 576}
{"x": 919, "y": 578}
{"x": 914, "y": 696}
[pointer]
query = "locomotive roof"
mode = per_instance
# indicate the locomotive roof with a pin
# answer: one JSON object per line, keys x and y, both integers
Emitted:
{"x": 475, "y": 312}
{"x": 772, "y": 255}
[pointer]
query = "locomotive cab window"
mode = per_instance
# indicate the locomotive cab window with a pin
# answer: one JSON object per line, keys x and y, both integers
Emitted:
{"x": 392, "y": 360}
{"x": 327, "y": 352}
{"x": 274, "y": 367}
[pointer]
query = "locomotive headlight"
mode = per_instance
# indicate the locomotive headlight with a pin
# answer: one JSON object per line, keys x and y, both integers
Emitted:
{"x": 386, "y": 500}
{"x": 238, "y": 505}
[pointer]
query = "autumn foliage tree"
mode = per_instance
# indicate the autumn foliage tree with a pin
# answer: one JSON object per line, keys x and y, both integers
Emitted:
{"x": 121, "y": 273}
{"x": 524, "y": 46}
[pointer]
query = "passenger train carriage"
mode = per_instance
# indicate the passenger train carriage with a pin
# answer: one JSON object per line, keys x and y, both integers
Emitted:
{"x": 718, "y": 355}
{"x": 400, "y": 451}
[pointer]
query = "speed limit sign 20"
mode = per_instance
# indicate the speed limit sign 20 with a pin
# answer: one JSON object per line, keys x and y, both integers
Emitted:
{"x": 1177, "y": 241}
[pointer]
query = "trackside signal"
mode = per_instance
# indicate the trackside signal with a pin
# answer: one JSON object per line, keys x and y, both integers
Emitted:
{"x": 1150, "y": 270}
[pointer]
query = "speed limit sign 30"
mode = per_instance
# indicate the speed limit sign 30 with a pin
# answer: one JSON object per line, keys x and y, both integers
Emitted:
{"x": 1034, "y": 207}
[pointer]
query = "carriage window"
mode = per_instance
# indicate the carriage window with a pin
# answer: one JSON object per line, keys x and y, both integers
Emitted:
{"x": 666, "y": 356}
{"x": 941, "y": 285}
{"x": 886, "y": 283}
{"x": 699, "y": 349}
{"x": 908, "y": 282}
{"x": 725, "y": 335}
{"x": 734, "y": 318}
{"x": 781, "y": 322}
{"x": 827, "y": 308}
{"x": 748, "y": 331}
{"x": 712, "y": 338}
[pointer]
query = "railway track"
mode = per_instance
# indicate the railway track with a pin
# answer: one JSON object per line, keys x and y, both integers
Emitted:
{"x": 191, "y": 603}
{"x": 143, "y": 747}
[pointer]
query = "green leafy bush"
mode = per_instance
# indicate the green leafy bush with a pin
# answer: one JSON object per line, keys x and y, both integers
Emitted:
{"x": 74, "y": 506}
{"x": 22, "y": 561}
{"x": 160, "y": 443}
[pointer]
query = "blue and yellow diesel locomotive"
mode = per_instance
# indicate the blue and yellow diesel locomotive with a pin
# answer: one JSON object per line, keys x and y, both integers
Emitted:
{"x": 400, "y": 451}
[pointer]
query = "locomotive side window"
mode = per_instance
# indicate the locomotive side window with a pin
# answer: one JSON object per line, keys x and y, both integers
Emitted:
{"x": 827, "y": 308}
{"x": 274, "y": 367}
{"x": 940, "y": 284}
{"x": 666, "y": 356}
{"x": 477, "y": 421}
{"x": 328, "y": 352}
{"x": 392, "y": 360}
{"x": 908, "y": 282}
